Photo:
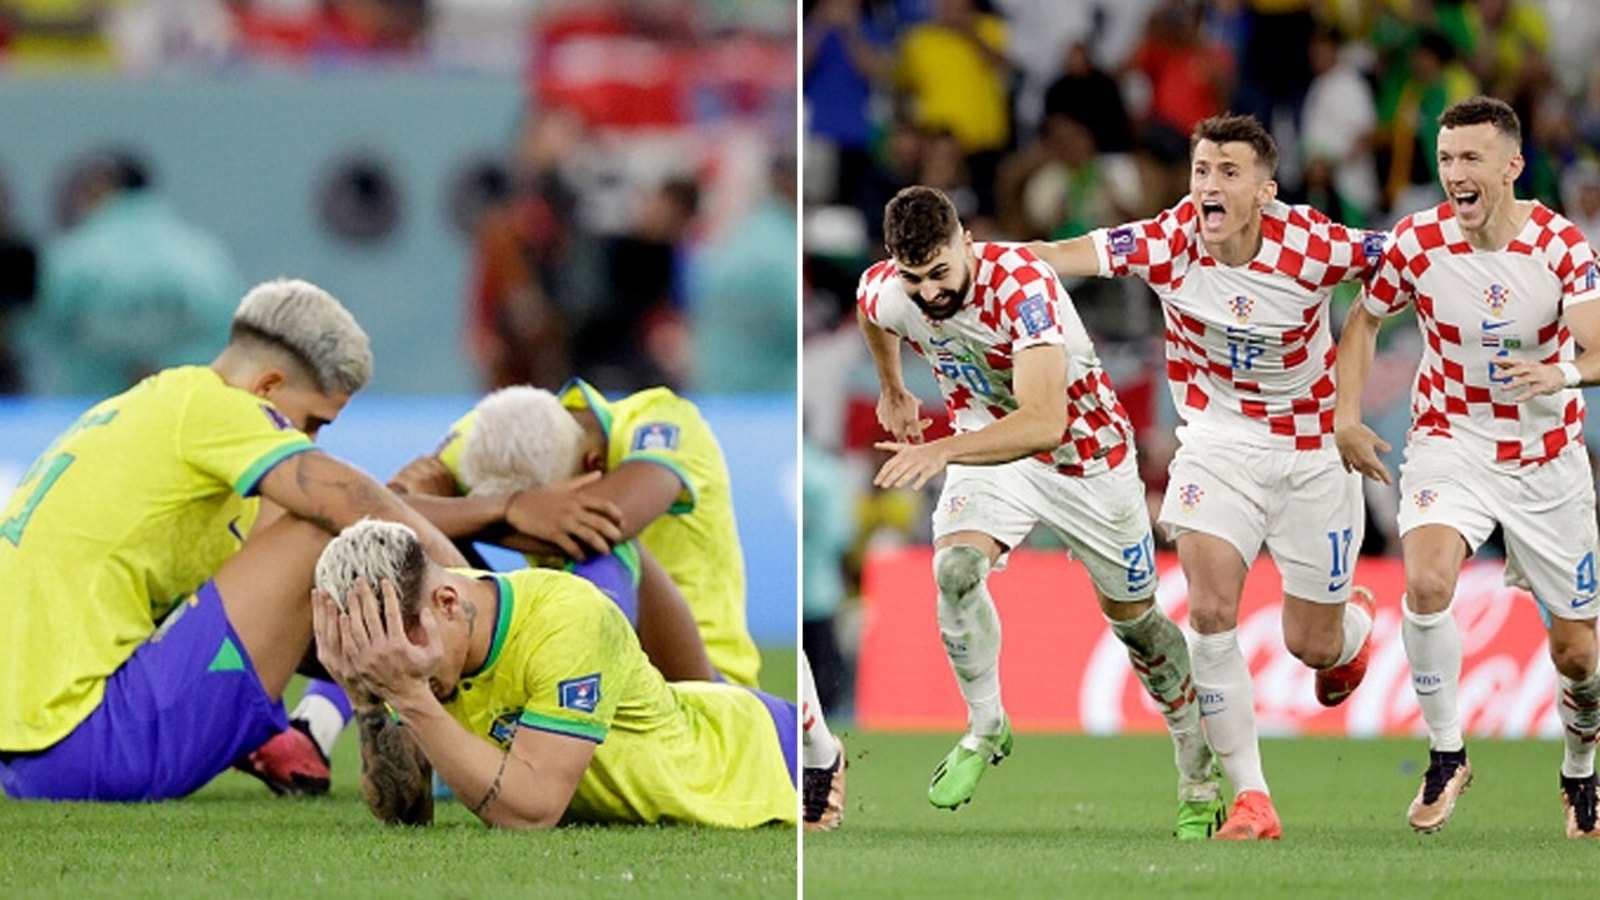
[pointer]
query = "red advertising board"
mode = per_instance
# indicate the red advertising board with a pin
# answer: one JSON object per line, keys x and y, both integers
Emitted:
{"x": 1062, "y": 670}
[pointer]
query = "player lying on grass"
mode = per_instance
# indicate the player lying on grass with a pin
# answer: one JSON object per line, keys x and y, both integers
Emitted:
{"x": 529, "y": 695}
{"x": 507, "y": 469}
{"x": 144, "y": 641}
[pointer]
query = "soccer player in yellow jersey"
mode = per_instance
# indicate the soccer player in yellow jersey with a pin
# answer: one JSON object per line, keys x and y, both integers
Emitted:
{"x": 530, "y": 696}
{"x": 662, "y": 468}
{"x": 144, "y": 641}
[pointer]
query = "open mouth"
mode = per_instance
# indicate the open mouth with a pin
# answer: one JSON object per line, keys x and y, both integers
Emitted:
{"x": 1212, "y": 215}
{"x": 1465, "y": 201}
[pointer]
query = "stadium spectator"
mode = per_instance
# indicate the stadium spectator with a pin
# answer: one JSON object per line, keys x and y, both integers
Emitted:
{"x": 1058, "y": 186}
{"x": 1006, "y": 345}
{"x": 131, "y": 289}
{"x": 952, "y": 72}
{"x": 1255, "y": 465}
{"x": 19, "y": 285}
{"x": 528, "y": 249}
{"x": 1409, "y": 127}
{"x": 742, "y": 317}
{"x": 1084, "y": 93}
{"x": 1506, "y": 34}
{"x": 825, "y": 535}
{"x": 159, "y": 654}
{"x": 1581, "y": 189}
{"x": 1189, "y": 80}
{"x": 846, "y": 55}
{"x": 632, "y": 334}
{"x": 1496, "y": 436}
{"x": 594, "y": 733}
{"x": 1338, "y": 124}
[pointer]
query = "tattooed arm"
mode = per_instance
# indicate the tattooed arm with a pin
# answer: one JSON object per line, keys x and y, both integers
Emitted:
{"x": 396, "y": 779}
{"x": 333, "y": 494}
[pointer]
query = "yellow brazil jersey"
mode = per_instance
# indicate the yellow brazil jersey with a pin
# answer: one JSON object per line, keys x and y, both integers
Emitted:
{"x": 131, "y": 509}
{"x": 564, "y": 660}
{"x": 697, "y": 542}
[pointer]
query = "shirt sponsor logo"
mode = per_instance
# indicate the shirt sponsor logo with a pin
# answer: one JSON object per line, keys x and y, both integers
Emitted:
{"x": 1372, "y": 245}
{"x": 656, "y": 436}
{"x": 1035, "y": 314}
{"x": 1122, "y": 241}
{"x": 582, "y": 694}
{"x": 278, "y": 419}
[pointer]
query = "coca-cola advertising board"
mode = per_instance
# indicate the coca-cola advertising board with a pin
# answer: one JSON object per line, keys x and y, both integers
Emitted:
{"x": 1062, "y": 670}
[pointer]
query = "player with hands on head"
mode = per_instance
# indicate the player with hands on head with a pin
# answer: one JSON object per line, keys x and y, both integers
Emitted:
{"x": 1040, "y": 437}
{"x": 1504, "y": 291}
{"x": 529, "y": 695}
{"x": 1245, "y": 283}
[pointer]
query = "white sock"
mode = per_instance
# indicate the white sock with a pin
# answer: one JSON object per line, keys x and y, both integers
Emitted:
{"x": 1357, "y": 625}
{"x": 1580, "y": 714}
{"x": 1228, "y": 708}
{"x": 323, "y": 718}
{"x": 1433, "y": 647}
{"x": 1159, "y": 654}
{"x": 818, "y": 747}
{"x": 970, "y": 627}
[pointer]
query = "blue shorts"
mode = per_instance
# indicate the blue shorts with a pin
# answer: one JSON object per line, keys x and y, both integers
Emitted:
{"x": 175, "y": 715}
{"x": 785, "y": 718}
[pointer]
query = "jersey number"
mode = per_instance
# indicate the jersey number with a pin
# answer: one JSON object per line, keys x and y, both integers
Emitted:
{"x": 44, "y": 473}
{"x": 1586, "y": 580}
{"x": 1141, "y": 560}
{"x": 968, "y": 373}
{"x": 1343, "y": 544}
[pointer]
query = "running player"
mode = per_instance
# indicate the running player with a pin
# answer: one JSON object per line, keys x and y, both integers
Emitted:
{"x": 529, "y": 695}
{"x": 1245, "y": 282}
{"x": 1040, "y": 437}
{"x": 1503, "y": 289}
{"x": 145, "y": 641}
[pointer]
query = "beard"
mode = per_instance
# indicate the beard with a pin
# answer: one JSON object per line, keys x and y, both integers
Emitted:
{"x": 946, "y": 304}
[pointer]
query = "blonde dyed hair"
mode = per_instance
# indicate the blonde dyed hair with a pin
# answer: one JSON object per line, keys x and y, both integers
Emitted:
{"x": 521, "y": 437}
{"x": 377, "y": 551}
{"x": 306, "y": 322}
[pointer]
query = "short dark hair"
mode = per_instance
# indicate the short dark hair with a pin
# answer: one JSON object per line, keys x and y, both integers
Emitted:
{"x": 1483, "y": 110}
{"x": 1234, "y": 128}
{"x": 918, "y": 223}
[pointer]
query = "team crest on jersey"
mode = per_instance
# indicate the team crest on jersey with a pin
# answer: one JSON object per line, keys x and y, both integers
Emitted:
{"x": 656, "y": 436}
{"x": 1122, "y": 240}
{"x": 1241, "y": 307}
{"x": 1372, "y": 245}
{"x": 1496, "y": 295}
{"x": 582, "y": 694}
{"x": 1425, "y": 498}
{"x": 278, "y": 419}
{"x": 1035, "y": 314}
{"x": 1189, "y": 496}
{"x": 504, "y": 727}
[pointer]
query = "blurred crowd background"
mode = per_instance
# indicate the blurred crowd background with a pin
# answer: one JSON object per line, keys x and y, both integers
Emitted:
{"x": 503, "y": 191}
{"x": 1045, "y": 119}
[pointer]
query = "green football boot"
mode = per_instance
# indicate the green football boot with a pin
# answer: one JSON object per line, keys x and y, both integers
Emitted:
{"x": 1199, "y": 819}
{"x": 956, "y": 778}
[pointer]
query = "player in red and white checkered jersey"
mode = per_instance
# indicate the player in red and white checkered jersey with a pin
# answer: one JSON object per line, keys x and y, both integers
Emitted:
{"x": 1245, "y": 283}
{"x": 1504, "y": 289}
{"x": 1040, "y": 437}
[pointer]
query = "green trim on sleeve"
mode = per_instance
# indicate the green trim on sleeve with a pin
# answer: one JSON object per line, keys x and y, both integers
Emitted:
{"x": 251, "y": 479}
{"x": 577, "y": 390}
{"x": 680, "y": 505}
{"x": 589, "y": 731}
{"x": 627, "y": 553}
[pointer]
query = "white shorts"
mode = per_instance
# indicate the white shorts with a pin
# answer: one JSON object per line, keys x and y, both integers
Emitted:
{"x": 1300, "y": 504}
{"x": 1546, "y": 513}
{"x": 1102, "y": 518}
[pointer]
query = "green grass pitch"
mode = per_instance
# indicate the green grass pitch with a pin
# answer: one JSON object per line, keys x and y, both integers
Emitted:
{"x": 233, "y": 839}
{"x": 1074, "y": 816}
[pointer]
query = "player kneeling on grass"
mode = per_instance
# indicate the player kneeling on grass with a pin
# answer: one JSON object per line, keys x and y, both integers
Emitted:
{"x": 530, "y": 696}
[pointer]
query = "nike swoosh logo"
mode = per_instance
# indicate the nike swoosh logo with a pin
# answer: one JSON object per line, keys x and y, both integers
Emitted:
{"x": 1581, "y": 602}
{"x": 1337, "y": 585}
{"x": 1496, "y": 324}
{"x": 940, "y": 343}
{"x": 233, "y": 528}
